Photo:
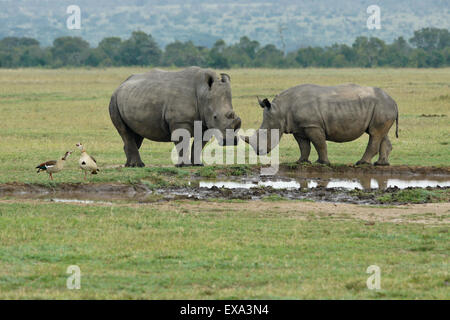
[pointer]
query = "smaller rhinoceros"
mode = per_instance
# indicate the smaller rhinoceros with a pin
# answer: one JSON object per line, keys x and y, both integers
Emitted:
{"x": 341, "y": 113}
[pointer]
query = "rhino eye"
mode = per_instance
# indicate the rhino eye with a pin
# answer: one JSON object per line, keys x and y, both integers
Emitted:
{"x": 215, "y": 117}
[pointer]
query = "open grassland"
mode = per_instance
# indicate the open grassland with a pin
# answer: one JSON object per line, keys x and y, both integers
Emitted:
{"x": 45, "y": 112}
{"x": 217, "y": 248}
{"x": 223, "y": 250}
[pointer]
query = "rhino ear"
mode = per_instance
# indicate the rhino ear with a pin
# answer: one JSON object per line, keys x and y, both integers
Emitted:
{"x": 225, "y": 77}
{"x": 209, "y": 80}
{"x": 265, "y": 103}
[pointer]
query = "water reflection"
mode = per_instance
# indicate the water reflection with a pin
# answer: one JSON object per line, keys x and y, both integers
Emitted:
{"x": 349, "y": 184}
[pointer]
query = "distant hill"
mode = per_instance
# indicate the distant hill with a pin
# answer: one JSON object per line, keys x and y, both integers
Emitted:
{"x": 287, "y": 24}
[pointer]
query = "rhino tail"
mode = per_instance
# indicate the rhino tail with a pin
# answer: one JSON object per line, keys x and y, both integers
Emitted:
{"x": 396, "y": 127}
{"x": 396, "y": 123}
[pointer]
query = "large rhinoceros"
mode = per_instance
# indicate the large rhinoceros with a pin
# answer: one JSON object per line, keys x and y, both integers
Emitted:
{"x": 154, "y": 104}
{"x": 341, "y": 113}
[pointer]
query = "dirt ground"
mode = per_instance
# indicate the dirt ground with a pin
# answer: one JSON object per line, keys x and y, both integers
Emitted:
{"x": 429, "y": 213}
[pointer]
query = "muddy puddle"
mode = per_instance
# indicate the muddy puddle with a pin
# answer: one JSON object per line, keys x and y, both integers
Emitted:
{"x": 296, "y": 180}
{"x": 323, "y": 186}
{"x": 334, "y": 183}
{"x": 351, "y": 186}
{"x": 78, "y": 201}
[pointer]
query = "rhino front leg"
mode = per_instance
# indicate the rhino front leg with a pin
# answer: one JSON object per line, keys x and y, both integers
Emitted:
{"x": 196, "y": 152}
{"x": 385, "y": 150}
{"x": 305, "y": 149}
{"x": 181, "y": 136}
{"x": 183, "y": 153}
{"x": 317, "y": 137}
{"x": 372, "y": 149}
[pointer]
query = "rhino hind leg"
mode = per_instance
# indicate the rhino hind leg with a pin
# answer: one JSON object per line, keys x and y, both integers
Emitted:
{"x": 305, "y": 149}
{"x": 138, "y": 139}
{"x": 385, "y": 150}
{"x": 318, "y": 139}
{"x": 131, "y": 141}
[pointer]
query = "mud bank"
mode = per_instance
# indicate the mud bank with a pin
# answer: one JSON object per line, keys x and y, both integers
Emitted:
{"x": 321, "y": 194}
{"x": 143, "y": 193}
{"x": 348, "y": 184}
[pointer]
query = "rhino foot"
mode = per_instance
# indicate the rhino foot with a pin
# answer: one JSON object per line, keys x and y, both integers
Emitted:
{"x": 137, "y": 164}
{"x": 381, "y": 163}
{"x": 327, "y": 163}
{"x": 360, "y": 162}
{"x": 180, "y": 165}
{"x": 300, "y": 161}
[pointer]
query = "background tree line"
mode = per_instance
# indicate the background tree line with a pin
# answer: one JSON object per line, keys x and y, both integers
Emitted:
{"x": 429, "y": 47}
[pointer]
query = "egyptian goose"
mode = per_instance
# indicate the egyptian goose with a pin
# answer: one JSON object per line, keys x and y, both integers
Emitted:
{"x": 87, "y": 162}
{"x": 53, "y": 166}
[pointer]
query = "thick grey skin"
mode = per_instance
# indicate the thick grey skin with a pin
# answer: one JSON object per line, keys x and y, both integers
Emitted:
{"x": 154, "y": 104}
{"x": 341, "y": 113}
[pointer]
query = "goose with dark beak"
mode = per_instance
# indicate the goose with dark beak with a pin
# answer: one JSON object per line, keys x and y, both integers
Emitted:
{"x": 53, "y": 166}
{"x": 87, "y": 163}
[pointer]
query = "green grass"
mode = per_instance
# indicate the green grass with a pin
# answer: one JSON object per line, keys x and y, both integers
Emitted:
{"x": 166, "y": 250}
{"x": 273, "y": 198}
{"x": 416, "y": 196}
{"x": 170, "y": 252}
{"x": 46, "y": 112}
{"x": 227, "y": 170}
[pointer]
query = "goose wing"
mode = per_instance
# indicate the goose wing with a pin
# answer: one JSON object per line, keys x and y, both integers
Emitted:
{"x": 45, "y": 165}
